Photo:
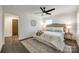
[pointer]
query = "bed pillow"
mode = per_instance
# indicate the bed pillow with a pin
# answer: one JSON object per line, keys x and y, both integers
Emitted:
{"x": 52, "y": 29}
{"x": 59, "y": 29}
{"x": 55, "y": 29}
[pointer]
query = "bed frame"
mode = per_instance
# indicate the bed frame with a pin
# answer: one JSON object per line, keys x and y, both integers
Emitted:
{"x": 57, "y": 25}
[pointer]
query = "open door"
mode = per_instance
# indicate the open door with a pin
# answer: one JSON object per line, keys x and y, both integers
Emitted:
{"x": 15, "y": 27}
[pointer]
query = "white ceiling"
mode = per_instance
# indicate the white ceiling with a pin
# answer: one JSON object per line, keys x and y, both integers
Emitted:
{"x": 60, "y": 9}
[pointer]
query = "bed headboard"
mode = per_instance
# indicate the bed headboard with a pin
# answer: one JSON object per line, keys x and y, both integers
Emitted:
{"x": 57, "y": 25}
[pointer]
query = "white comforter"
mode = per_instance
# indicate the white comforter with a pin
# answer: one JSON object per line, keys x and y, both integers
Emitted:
{"x": 54, "y": 38}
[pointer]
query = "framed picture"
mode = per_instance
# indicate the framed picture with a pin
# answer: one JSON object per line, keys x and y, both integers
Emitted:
{"x": 33, "y": 22}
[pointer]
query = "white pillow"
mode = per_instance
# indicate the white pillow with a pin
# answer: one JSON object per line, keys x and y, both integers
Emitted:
{"x": 59, "y": 29}
{"x": 55, "y": 29}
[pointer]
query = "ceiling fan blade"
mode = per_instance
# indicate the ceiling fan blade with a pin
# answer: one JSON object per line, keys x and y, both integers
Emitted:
{"x": 41, "y": 9}
{"x": 50, "y": 10}
{"x": 48, "y": 13}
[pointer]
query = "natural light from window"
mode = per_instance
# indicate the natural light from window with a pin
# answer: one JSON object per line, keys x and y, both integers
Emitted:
{"x": 48, "y": 22}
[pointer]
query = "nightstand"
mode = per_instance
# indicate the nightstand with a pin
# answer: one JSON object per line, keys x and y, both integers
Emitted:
{"x": 68, "y": 36}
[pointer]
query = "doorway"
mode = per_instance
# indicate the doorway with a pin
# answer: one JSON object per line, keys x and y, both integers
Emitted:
{"x": 15, "y": 27}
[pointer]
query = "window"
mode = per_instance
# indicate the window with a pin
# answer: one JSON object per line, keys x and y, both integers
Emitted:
{"x": 48, "y": 22}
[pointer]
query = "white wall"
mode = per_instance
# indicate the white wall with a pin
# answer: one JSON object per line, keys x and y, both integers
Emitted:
{"x": 24, "y": 25}
{"x": 25, "y": 28}
{"x": 1, "y": 28}
{"x": 8, "y": 24}
{"x": 67, "y": 18}
{"x": 24, "y": 22}
{"x": 78, "y": 22}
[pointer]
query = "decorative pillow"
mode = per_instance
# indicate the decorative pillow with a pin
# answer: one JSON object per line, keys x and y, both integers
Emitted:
{"x": 39, "y": 33}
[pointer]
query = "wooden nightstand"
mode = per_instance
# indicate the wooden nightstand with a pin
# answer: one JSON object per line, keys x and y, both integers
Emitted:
{"x": 68, "y": 36}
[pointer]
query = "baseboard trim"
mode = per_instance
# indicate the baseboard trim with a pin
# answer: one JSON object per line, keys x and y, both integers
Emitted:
{"x": 26, "y": 38}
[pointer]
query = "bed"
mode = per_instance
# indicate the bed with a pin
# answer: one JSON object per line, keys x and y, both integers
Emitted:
{"x": 47, "y": 42}
{"x": 53, "y": 39}
{"x": 54, "y": 35}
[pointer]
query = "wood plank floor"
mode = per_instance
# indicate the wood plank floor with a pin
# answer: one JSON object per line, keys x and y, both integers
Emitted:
{"x": 13, "y": 45}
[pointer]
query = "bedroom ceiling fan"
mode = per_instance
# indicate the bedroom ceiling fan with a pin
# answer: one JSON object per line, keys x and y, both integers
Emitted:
{"x": 44, "y": 11}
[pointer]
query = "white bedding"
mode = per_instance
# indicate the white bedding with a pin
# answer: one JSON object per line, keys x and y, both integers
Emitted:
{"x": 56, "y": 34}
{"x": 54, "y": 38}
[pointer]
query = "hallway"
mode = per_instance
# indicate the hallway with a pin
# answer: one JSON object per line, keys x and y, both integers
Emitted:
{"x": 13, "y": 45}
